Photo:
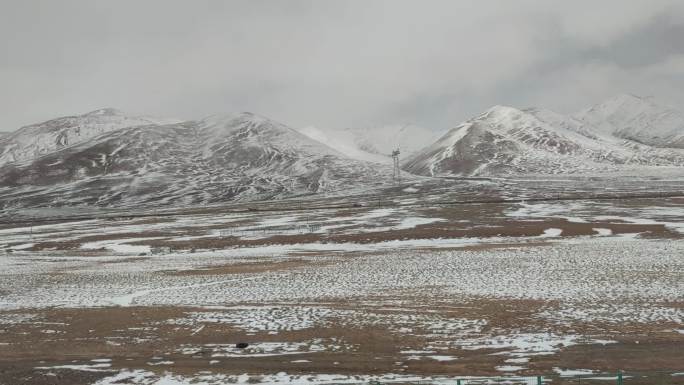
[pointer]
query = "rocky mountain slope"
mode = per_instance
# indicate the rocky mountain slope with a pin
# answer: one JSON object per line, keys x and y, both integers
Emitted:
{"x": 377, "y": 143}
{"x": 508, "y": 141}
{"x": 237, "y": 157}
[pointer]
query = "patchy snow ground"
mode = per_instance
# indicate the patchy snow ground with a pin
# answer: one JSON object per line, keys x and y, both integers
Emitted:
{"x": 396, "y": 286}
{"x": 671, "y": 216}
{"x": 143, "y": 377}
{"x": 265, "y": 349}
{"x": 573, "y": 372}
{"x": 244, "y": 226}
{"x": 611, "y": 270}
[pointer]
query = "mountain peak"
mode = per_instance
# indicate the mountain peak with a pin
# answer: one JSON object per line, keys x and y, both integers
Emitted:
{"x": 627, "y": 97}
{"x": 506, "y": 117}
{"x": 629, "y": 104}
{"x": 626, "y": 100}
{"x": 33, "y": 141}
{"x": 231, "y": 118}
{"x": 501, "y": 111}
{"x": 105, "y": 111}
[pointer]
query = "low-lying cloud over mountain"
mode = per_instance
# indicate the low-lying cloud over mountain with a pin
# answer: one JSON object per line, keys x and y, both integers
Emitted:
{"x": 334, "y": 64}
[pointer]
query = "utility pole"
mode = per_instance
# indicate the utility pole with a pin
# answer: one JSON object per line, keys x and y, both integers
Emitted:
{"x": 396, "y": 171}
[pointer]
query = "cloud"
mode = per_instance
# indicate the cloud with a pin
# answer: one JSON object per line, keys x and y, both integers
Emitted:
{"x": 332, "y": 63}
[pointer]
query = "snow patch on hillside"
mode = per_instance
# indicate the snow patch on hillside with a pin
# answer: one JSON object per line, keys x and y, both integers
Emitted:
{"x": 374, "y": 144}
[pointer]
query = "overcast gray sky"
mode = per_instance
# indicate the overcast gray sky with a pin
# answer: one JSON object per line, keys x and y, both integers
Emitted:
{"x": 333, "y": 63}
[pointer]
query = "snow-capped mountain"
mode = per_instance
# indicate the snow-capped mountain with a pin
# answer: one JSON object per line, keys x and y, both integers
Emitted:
{"x": 236, "y": 157}
{"x": 374, "y": 144}
{"x": 506, "y": 141}
{"x": 639, "y": 119}
{"x": 31, "y": 142}
{"x": 107, "y": 158}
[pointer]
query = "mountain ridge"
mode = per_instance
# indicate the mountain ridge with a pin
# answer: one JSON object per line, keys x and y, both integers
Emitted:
{"x": 637, "y": 118}
{"x": 32, "y": 141}
{"x": 507, "y": 141}
{"x": 109, "y": 159}
{"x": 220, "y": 158}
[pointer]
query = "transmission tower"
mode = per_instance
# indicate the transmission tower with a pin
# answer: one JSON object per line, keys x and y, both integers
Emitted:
{"x": 396, "y": 171}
